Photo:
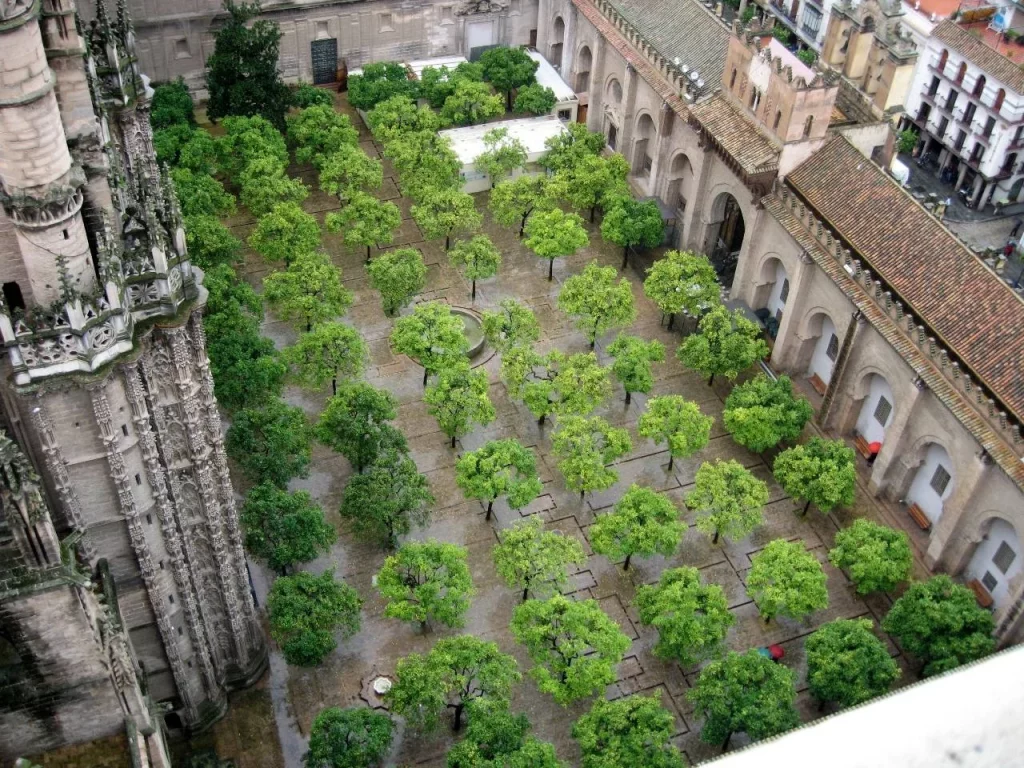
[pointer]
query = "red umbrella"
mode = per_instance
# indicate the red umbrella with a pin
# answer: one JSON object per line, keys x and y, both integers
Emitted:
{"x": 874, "y": 447}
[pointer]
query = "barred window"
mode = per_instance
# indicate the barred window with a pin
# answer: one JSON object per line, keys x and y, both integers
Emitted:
{"x": 832, "y": 350}
{"x": 1004, "y": 557}
{"x": 940, "y": 480}
{"x": 784, "y": 294}
{"x": 989, "y": 581}
{"x": 882, "y": 411}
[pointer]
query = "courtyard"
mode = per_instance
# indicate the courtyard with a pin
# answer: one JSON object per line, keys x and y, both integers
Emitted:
{"x": 292, "y": 696}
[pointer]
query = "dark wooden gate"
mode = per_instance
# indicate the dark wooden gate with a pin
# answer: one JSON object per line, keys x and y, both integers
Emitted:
{"x": 325, "y": 60}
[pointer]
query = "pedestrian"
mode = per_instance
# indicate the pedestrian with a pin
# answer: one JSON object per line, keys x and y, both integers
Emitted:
{"x": 1016, "y": 228}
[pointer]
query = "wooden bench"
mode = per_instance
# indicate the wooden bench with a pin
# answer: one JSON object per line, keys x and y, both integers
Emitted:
{"x": 819, "y": 386}
{"x": 984, "y": 597}
{"x": 862, "y": 446}
{"x": 918, "y": 516}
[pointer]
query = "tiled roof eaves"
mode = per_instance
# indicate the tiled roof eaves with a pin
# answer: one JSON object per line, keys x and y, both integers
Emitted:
{"x": 734, "y": 133}
{"x": 979, "y": 54}
{"x": 1001, "y": 452}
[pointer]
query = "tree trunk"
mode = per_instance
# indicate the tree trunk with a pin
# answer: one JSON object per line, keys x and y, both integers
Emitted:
{"x": 671, "y": 460}
{"x": 540, "y": 421}
{"x": 711, "y": 380}
{"x": 490, "y": 506}
{"x": 367, "y": 254}
{"x": 453, "y": 440}
{"x": 425, "y": 374}
{"x": 625, "y": 257}
{"x": 725, "y": 744}
{"x": 806, "y": 507}
{"x": 508, "y": 100}
{"x": 629, "y": 397}
{"x": 671, "y": 320}
{"x": 473, "y": 294}
{"x": 526, "y": 594}
{"x": 334, "y": 385}
{"x": 625, "y": 565}
{"x": 551, "y": 269}
{"x": 522, "y": 225}
{"x": 458, "y": 717}
{"x": 593, "y": 210}
{"x": 424, "y": 627}
{"x": 821, "y": 706}
{"x": 309, "y": 325}
{"x": 582, "y": 494}
{"x": 447, "y": 243}
{"x": 714, "y": 539}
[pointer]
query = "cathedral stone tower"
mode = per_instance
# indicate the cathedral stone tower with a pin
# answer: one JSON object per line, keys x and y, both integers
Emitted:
{"x": 106, "y": 384}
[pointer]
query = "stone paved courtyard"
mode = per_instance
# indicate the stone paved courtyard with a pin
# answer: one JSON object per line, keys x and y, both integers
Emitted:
{"x": 343, "y": 678}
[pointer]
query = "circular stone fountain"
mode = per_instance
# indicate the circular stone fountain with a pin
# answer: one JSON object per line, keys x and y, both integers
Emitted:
{"x": 474, "y": 329}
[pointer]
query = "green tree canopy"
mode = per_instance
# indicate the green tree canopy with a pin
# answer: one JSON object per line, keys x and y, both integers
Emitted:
{"x": 574, "y": 645}
{"x": 245, "y": 366}
{"x": 878, "y": 558}
{"x": 502, "y": 155}
{"x": 499, "y": 468}
{"x": 438, "y": 83}
{"x": 511, "y": 325}
{"x": 632, "y": 367}
{"x": 241, "y": 75}
{"x": 168, "y": 142}
{"x": 328, "y": 352}
{"x": 171, "y": 105}
{"x": 555, "y": 383}
{"x": 426, "y": 581}
{"x": 530, "y": 558}
{"x": 478, "y": 258}
{"x": 432, "y": 336}
{"x": 425, "y": 162}
{"x": 271, "y": 443}
{"x": 284, "y": 528}
{"x": 319, "y": 132}
{"x": 847, "y": 664}
{"x": 397, "y": 275}
{"x": 744, "y": 692}
{"x": 307, "y": 611}
{"x": 820, "y": 472}
{"x": 471, "y": 103}
{"x": 631, "y": 731}
{"x": 365, "y": 221}
{"x": 444, "y": 211}
{"x": 390, "y": 497}
{"x": 308, "y": 95}
{"x": 631, "y": 223}
{"x": 596, "y": 301}
{"x": 554, "y": 233}
{"x": 199, "y": 153}
{"x": 728, "y": 344}
{"x": 643, "y": 522}
{"x": 513, "y": 200}
{"x": 584, "y": 449}
{"x": 507, "y": 69}
{"x": 763, "y": 412}
{"x": 264, "y": 185}
{"x": 210, "y": 243}
{"x": 379, "y": 82}
{"x": 399, "y": 115}
{"x": 285, "y": 233}
{"x": 459, "y": 399}
{"x": 681, "y": 281}
{"x": 730, "y": 498}
{"x": 355, "y": 737}
{"x": 572, "y": 146}
{"x": 246, "y": 140}
{"x": 349, "y": 170}
{"x": 674, "y": 420}
{"x": 692, "y": 618}
{"x": 201, "y": 195}
{"x": 308, "y": 292}
{"x": 456, "y": 674}
{"x": 495, "y": 738}
{"x": 941, "y": 623}
{"x": 535, "y": 99}
{"x": 786, "y": 580}
{"x": 586, "y": 182}
{"x": 352, "y": 419}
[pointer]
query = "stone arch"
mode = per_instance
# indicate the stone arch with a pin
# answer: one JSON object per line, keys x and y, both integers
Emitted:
{"x": 726, "y": 233}
{"x": 878, "y": 406}
{"x": 557, "y": 41}
{"x": 645, "y": 135}
{"x": 613, "y": 91}
{"x": 934, "y": 479}
{"x": 681, "y": 183}
{"x": 997, "y": 560}
{"x": 584, "y": 62}
{"x": 820, "y": 349}
{"x": 613, "y": 102}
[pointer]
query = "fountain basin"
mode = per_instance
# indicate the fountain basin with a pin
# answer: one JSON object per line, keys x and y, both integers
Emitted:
{"x": 474, "y": 329}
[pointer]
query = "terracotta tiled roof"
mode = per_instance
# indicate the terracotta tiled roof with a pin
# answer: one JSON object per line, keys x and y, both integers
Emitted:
{"x": 737, "y": 136}
{"x": 975, "y": 51}
{"x": 970, "y": 310}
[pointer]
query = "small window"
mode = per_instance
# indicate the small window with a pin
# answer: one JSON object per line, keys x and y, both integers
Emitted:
{"x": 170, "y": 599}
{"x": 564, "y": 115}
{"x": 513, "y": 7}
{"x": 648, "y": 164}
{"x": 446, "y": 15}
{"x": 940, "y": 480}
{"x": 138, "y": 479}
{"x": 883, "y": 410}
{"x": 12, "y": 296}
{"x": 778, "y": 315}
{"x": 1004, "y": 557}
{"x": 778, "y": 119}
{"x": 989, "y": 581}
{"x": 182, "y": 49}
{"x": 161, "y": 565}
{"x": 180, "y": 633}
{"x": 323, "y": 31}
{"x": 386, "y": 23}
{"x": 808, "y": 126}
{"x": 124, "y": 430}
{"x": 149, "y": 519}
{"x": 784, "y": 293}
{"x": 612, "y": 135}
{"x": 832, "y": 350}
{"x": 66, "y": 234}
{"x": 732, "y": 80}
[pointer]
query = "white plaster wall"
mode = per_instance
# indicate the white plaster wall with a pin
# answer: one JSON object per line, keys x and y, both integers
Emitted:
{"x": 775, "y": 302}
{"x": 921, "y": 491}
{"x": 867, "y": 425}
{"x": 981, "y": 562}
{"x": 820, "y": 362}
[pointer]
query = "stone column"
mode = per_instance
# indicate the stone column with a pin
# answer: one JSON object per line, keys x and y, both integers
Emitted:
{"x": 569, "y": 45}
{"x": 665, "y": 122}
{"x": 595, "y": 102}
{"x": 788, "y": 341}
{"x": 942, "y": 548}
{"x": 893, "y": 444}
{"x": 628, "y": 106}
{"x": 544, "y": 27}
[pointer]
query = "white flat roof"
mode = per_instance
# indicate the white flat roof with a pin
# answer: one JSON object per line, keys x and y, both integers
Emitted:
{"x": 549, "y": 78}
{"x": 533, "y": 132}
{"x": 441, "y": 61}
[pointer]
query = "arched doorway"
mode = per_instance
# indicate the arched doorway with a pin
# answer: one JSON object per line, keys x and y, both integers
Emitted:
{"x": 584, "y": 61}
{"x": 727, "y": 230}
{"x": 680, "y": 184}
{"x": 779, "y": 292}
{"x": 932, "y": 483}
{"x": 643, "y": 147}
{"x": 557, "y": 38}
{"x": 825, "y": 352}
{"x": 877, "y": 411}
{"x": 612, "y": 101}
{"x": 996, "y": 561}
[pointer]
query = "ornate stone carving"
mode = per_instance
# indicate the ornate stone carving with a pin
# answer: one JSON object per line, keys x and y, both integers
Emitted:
{"x": 10, "y": 9}
{"x": 470, "y": 7}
